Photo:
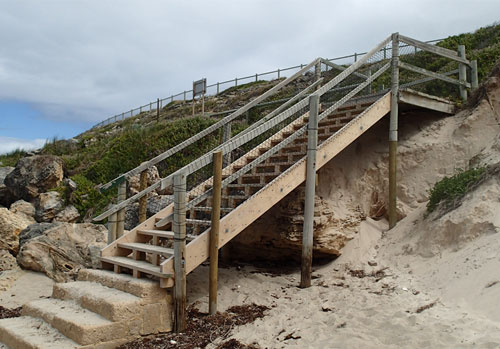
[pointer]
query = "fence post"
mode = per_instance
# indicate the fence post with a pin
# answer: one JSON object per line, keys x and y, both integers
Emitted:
{"x": 256, "y": 77}
{"x": 143, "y": 183}
{"x": 158, "y": 109}
{"x": 217, "y": 87}
{"x": 474, "y": 77}
{"x": 462, "y": 72}
{"x": 385, "y": 52}
{"x": 112, "y": 228}
{"x": 150, "y": 106}
{"x": 317, "y": 73}
{"x": 393, "y": 132}
{"x": 307, "y": 233}
{"x": 179, "y": 227}
{"x": 369, "y": 87}
{"x": 214, "y": 232}
{"x": 355, "y": 57}
{"x": 278, "y": 73}
{"x": 225, "y": 137}
{"x": 236, "y": 82}
{"x": 184, "y": 96}
{"x": 120, "y": 217}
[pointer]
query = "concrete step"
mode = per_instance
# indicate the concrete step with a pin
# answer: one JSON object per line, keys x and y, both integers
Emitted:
{"x": 30, "y": 333}
{"x": 146, "y": 289}
{"x": 77, "y": 323}
{"x": 110, "y": 303}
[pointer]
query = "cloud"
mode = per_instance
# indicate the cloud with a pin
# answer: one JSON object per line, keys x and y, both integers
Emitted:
{"x": 8, "y": 144}
{"x": 87, "y": 60}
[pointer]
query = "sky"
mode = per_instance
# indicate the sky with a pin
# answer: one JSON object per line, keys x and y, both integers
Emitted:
{"x": 67, "y": 65}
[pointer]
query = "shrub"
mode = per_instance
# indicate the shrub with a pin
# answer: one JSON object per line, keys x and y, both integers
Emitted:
{"x": 449, "y": 189}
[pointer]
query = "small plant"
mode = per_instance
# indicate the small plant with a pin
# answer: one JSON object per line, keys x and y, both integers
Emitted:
{"x": 451, "y": 188}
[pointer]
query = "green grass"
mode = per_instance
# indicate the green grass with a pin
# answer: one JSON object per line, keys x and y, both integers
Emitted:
{"x": 11, "y": 158}
{"x": 449, "y": 189}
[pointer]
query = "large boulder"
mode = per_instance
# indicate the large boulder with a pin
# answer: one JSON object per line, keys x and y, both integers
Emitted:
{"x": 48, "y": 205}
{"x": 11, "y": 224}
{"x": 23, "y": 207}
{"x": 70, "y": 214}
{"x": 6, "y": 196}
{"x": 34, "y": 175}
{"x": 61, "y": 249}
{"x": 134, "y": 182}
{"x": 7, "y": 261}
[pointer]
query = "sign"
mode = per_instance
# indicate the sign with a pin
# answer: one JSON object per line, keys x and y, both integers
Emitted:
{"x": 199, "y": 87}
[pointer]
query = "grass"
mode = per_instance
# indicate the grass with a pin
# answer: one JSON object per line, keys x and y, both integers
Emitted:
{"x": 11, "y": 158}
{"x": 449, "y": 189}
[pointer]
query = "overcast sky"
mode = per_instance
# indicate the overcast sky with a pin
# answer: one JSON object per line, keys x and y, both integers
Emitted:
{"x": 66, "y": 65}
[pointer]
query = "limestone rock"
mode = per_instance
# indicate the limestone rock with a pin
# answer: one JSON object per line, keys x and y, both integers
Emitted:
{"x": 11, "y": 224}
{"x": 7, "y": 261}
{"x": 34, "y": 175}
{"x": 48, "y": 205}
{"x": 6, "y": 196}
{"x": 60, "y": 249}
{"x": 23, "y": 207}
{"x": 70, "y": 214}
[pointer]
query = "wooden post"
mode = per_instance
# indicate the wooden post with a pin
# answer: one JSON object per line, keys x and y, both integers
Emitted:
{"x": 308, "y": 231}
{"x": 227, "y": 136}
{"x": 214, "y": 232}
{"x": 158, "y": 109}
{"x": 462, "y": 72}
{"x": 112, "y": 228}
{"x": 393, "y": 132}
{"x": 120, "y": 217}
{"x": 143, "y": 183}
{"x": 317, "y": 73}
{"x": 193, "y": 103}
{"x": 179, "y": 227}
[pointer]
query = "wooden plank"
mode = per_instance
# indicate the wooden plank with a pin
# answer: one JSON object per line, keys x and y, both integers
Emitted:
{"x": 441, "y": 51}
{"x": 233, "y": 223}
{"x": 135, "y": 246}
{"x": 138, "y": 265}
{"x": 426, "y": 101}
{"x": 432, "y": 74}
{"x": 162, "y": 234}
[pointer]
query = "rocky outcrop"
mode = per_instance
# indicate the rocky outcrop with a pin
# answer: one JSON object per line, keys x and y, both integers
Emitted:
{"x": 6, "y": 196}
{"x": 23, "y": 207}
{"x": 11, "y": 224}
{"x": 134, "y": 183}
{"x": 69, "y": 214}
{"x": 48, "y": 205}
{"x": 34, "y": 175}
{"x": 61, "y": 249}
{"x": 7, "y": 261}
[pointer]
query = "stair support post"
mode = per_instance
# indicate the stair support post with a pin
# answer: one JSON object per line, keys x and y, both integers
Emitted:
{"x": 112, "y": 228}
{"x": 120, "y": 216}
{"x": 143, "y": 183}
{"x": 179, "y": 227}
{"x": 214, "y": 231}
{"x": 317, "y": 73}
{"x": 307, "y": 233}
{"x": 225, "y": 137}
{"x": 462, "y": 72}
{"x": 393, "y": 132}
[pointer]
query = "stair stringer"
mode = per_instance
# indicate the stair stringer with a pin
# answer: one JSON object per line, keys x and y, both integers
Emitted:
{"x": 197, "y": 251}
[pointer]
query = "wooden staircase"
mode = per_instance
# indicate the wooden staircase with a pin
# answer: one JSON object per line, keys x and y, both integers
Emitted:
{"x": 147, "y": 249}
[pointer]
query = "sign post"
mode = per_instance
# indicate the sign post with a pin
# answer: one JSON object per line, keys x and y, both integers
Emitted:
{"x": 199, "y": 89}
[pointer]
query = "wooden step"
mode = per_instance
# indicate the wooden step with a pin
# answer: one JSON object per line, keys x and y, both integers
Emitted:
{"x": 136, "y": 246}
{"x": 132, "y": 264}
{"x": 162, "y": 234}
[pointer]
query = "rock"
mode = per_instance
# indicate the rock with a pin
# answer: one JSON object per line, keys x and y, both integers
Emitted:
{"x": 23, "y": 207}
{"x": 131, "y": 216}
{"x": 70, "y": 214}
{"x": 11, "y": 224}
{"x": 6, "y": 196}
{"x": 157, "y": 203}
{"x": 70, "y": 184}
{"x": 7, "y": 261}
{"x": 34, "y": 175}
{"x": 134, "y": 183}
{"x": 48, "y": 205}
{"x": 61, "y": 249}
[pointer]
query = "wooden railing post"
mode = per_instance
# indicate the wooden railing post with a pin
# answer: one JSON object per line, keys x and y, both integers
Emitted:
{"x": 307, "y": 233}
{"x": 226, "y": 136}
{"x": 143, "y": 184}
{"x": 214, "y": 231}
{"x": 120, "y": 216}
{"x": 393, "y": 132}
{"x": 112, "y": 228}
{"x": 179, "y": 227}
{"x": 462, "y": 72}
{"x": 474, "y": 80}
